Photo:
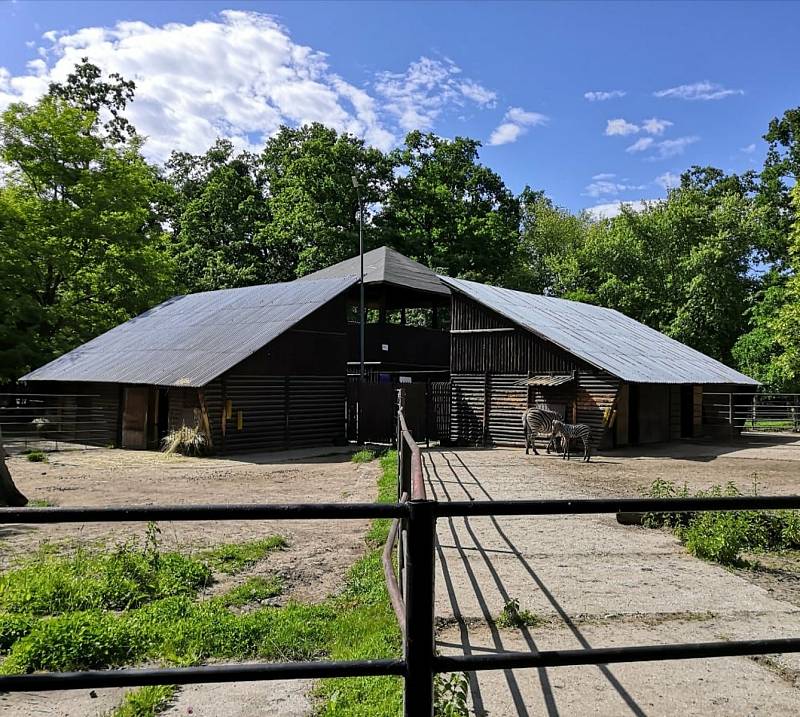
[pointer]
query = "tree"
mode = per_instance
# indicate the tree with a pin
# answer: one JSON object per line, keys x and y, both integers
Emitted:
{"x": 218, "y": 214}
{"x": 80, "y": 242}
{"x": 9, "y": 493}
{"x": 448, "y": 211}
{"x": 313, "y": 205}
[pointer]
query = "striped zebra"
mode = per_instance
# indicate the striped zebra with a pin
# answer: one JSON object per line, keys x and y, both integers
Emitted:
{"x": 538, "y": 420}
{"x": 567, "y": 432}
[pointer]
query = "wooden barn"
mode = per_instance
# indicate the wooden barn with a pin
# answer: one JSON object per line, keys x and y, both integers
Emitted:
{"x": 511, "y": 350}
{"x": 259, "y": 368}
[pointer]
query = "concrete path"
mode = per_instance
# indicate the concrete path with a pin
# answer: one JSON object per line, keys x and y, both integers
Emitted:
{"x": 594, "y": 583}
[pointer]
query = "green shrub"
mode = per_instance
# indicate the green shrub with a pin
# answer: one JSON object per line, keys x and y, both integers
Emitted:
{"x": 14, "y": 626}
{"x": 37, "y": 456}
{"x": 232, "y": 558}
{"x": 722, "y": 536}
{"x": 450, "y": 695}
{"x": 254, "y": 590}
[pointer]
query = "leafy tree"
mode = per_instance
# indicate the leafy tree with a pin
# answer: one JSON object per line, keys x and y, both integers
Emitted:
{"x": 450, "y": 212}
{"x": 218, "y": 214}
{"x": 80, "y": 243}
{"x": 313, "y": 205}
{"x": 85, "y": 88}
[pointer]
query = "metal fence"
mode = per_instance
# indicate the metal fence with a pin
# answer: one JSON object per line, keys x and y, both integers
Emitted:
{"x": 410, "y": 584}
{"x": 44, "y": 420}
{"x": 753, "y": 411}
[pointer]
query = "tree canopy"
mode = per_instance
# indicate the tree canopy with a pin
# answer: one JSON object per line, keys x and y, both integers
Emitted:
{"x": 91, "y": 234}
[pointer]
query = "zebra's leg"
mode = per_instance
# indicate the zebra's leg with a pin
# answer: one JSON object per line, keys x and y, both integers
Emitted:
{"x": 585, "y": 449}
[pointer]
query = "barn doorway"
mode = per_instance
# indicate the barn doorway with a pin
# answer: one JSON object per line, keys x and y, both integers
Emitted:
{"x": 134, "y": 417}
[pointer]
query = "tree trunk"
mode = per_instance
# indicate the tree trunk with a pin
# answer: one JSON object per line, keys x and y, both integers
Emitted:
{"x": 9, "y": 495}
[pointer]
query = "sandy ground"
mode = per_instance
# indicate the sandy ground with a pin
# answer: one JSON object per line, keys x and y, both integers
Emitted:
{"x": 313, "y": 565}
{"x": 596, "y": 583}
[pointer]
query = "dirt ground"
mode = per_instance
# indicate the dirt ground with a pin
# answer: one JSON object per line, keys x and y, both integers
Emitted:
{"x": 318, "y": 555}
{"x": 593, "y": 582}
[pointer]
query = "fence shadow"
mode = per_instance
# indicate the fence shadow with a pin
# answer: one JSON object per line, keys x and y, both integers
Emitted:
{"x": 448, "y": 471}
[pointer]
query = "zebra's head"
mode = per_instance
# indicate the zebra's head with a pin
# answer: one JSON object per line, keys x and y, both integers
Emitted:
{"x": 557, "y": 427}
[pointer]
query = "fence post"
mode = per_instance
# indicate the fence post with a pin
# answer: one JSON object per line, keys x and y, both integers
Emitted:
{"x": 419, "y": 645}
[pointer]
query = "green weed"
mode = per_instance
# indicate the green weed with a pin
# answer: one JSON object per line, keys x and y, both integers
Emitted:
{"x": 129, "y": 576}
{"x": 363, "y": 456}
{"x": 512, "y": 616}
{"x": 450, "y": 695}
{"x": 233, "y": 558}
{"x": 145, "y": 701}
{"x": 37, "y": 456}
{"x": 252, "y": 591}
{"x": 40, "y": 503}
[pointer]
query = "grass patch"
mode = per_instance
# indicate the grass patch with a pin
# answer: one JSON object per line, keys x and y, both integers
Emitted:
{"x": 145, "y": 701}
{"x": 40, "y": 503}
{"x": 36, "y": 456}
{"x": 127, "y": 577}
{"x": 512, "y": 616}
{"x": 722, "y": 536}
{"x": 363, "y": 456}
{"x": 233, "y": 558}
{"x": 252, "y": 591}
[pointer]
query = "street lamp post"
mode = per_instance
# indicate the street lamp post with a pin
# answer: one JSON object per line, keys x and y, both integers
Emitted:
{"x": 361, "y": 282}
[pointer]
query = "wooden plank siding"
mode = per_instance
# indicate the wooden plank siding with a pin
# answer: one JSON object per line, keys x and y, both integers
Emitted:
{"x": 490, "y": 355}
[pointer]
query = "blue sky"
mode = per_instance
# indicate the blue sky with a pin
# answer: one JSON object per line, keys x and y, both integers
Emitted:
{"x": 689, "y": 83}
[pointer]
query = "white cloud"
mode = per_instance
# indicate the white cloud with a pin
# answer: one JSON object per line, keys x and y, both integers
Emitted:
{"x": 603, "y": 187}
{"x": 240, "y": 75}
{"x": 703, "y": 90}
{"x": 600, "y": 96}
{"x": 668, "y": 180}
{"x": 655, "y": 126}
{"x": 418, "y": 96}
{"x": 641, "y": 144}
{"x": 515, "y": 123}
{"x": 673, "y": 147}
{"x": 604, "y": 175}
{"x": 613, "y": 209}
{"x": 620, "y": 127}
{"x": 749, "y": 149}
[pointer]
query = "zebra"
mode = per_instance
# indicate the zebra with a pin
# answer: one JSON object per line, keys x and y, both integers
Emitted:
{"x": 538, "y": 420}
{"x": 567, "y": 432}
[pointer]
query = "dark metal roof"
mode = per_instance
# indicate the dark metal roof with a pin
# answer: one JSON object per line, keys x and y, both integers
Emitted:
{"x": 546, "y": 380}
{"x": 602, "y": 337}
{"x": 190, "y": 340}
{"x": 385, "y": 265}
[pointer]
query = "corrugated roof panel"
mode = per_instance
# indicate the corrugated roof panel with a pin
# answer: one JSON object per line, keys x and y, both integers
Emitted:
{"x": 545, "y": 380}
{"x": 603, "y": 337}
{"x": 190, "y": 340}
{"x": 390, "y": 266}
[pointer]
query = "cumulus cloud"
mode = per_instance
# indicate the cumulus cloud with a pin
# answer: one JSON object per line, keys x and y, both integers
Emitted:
{"x": 613, "y": 209}
{"x": 604, "y": 175}
{"x": 417, "y": 96}
{"x": 601, "y": 96}
{"x": 655, "y": 126}
{"x": 620, "y": 127}
{"x": 240, "y": 75}
{"x": 515, "y": 123}
{"x": 749, "y": 149}
{"x": 668, "y": 180}
{"x": 703, "y": 90}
